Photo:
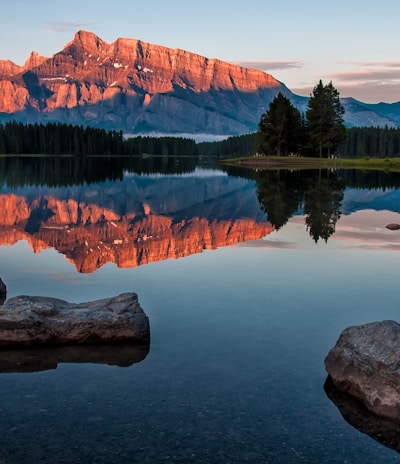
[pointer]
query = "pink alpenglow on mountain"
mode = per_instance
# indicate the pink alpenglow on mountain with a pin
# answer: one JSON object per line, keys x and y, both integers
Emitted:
{"x": 133, "y": 85}
{"x": 138, "y": 87}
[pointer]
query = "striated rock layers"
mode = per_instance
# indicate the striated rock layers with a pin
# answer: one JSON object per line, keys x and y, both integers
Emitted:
{"x": 365, "y": 363}
{"x": 36, "y": 320}
{"x": 136, "y": 86}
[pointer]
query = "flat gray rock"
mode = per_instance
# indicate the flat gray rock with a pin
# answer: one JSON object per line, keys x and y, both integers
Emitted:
{"x": 37, "y": 320}
{"x": 365, "y": 362}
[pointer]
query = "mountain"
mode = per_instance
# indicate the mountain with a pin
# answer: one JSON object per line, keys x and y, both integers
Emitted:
{"x": 139, "y": 87}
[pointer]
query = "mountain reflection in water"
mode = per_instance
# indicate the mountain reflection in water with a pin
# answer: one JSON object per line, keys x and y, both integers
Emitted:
{"x": 135, "y": 220}
{"x": 132, "y": 211}
{"x": 235, "y": 370}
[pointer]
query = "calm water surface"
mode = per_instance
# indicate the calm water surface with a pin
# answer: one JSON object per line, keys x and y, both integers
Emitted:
{"x": 242, "y": 317}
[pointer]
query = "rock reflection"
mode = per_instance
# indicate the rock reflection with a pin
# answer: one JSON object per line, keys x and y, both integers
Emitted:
{"x": 357, "y": 415}
{"x": 42, "y": 359}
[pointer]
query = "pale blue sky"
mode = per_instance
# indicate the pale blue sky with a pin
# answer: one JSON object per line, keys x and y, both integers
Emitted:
{"x": 354, "y": 43}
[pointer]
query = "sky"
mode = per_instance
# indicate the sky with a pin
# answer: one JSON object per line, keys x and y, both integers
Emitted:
{"x": 353, "y": 43}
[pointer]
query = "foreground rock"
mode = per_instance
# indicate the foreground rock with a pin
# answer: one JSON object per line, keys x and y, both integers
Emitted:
{"x": 35, "y": 320}
{"x": 3, "y": 292}
{"x": 365, "y": 363}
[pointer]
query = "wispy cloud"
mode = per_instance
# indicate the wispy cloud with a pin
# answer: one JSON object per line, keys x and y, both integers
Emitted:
{"x": 67, "y": 26}
{"x": 370, "y": 81}
{"x": 369, "y": 75}
{"x": 379, "y": 64}
{"x": 269, "y": 65}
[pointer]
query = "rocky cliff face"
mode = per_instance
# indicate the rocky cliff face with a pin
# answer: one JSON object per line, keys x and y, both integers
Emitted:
{"x": 139, "y": 87}
{"x": 136, "y": 86}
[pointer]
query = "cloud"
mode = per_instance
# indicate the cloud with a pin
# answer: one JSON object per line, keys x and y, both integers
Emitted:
{"x": 371, "y": 92}
{"x": 304, "y": 91}
{"x": 368, "y": 75}
{"x": 370, "y": 81}
{"x": 67, "y": 26}
{"x": 269, "y": 65}
{"x": 379, "y": 64}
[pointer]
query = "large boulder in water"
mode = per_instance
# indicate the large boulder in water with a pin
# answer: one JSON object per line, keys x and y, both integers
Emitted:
{"x": 37, "y": 320}
{"x": 365, "y": 362}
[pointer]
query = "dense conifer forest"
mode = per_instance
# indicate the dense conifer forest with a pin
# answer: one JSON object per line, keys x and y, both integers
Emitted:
{"x": 65, "y": 139}
{"x": 240, "y": 145}
{"x": 361, "y": 142}
{"x": 372, "y": 142}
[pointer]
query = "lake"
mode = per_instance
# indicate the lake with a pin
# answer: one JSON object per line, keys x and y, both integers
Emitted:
{"x": 247, "y": 278}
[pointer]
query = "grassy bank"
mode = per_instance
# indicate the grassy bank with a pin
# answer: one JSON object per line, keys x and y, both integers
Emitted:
{"x": 301, "y": 162}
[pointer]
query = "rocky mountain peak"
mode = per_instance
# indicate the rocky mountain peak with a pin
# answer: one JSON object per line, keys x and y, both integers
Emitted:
{"x": 8, "y": 68}
{"x": 34, "y": 60}
{"x": 137, "y": 87}
{"x": 88, "y": 41}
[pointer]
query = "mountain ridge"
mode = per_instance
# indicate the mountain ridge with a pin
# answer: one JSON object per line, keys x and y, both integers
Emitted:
{"x": 139, "y": 87}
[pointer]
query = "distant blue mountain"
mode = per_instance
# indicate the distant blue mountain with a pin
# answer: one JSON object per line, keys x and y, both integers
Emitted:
{"x": 358, "y": 114}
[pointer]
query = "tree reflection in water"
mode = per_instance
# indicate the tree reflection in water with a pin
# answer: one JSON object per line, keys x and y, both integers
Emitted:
{"x": 318, "y": 193}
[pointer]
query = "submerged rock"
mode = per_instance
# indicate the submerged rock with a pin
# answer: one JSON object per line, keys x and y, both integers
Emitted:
{"x": 393, "y": 226}
{"x": 365, "y": 363}
{"x": 37, "y": 320}
{"x": 3, "y": 292}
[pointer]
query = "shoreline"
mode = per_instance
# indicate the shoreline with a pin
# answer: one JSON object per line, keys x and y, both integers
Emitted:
{"x": 302, "y": 162}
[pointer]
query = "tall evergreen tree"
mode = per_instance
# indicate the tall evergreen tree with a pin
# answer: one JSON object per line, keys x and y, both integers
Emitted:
{"x": 280, "y": 128}
{"x": 324, "y": 116}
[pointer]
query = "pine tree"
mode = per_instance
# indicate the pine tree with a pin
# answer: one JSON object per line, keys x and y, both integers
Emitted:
{"x": 280, "y": 128}
{"x": 325, "y": 126}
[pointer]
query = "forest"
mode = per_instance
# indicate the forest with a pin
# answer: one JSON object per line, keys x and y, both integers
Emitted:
{"x": 65, "y": 139}
{"x": 361, "y": 142}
